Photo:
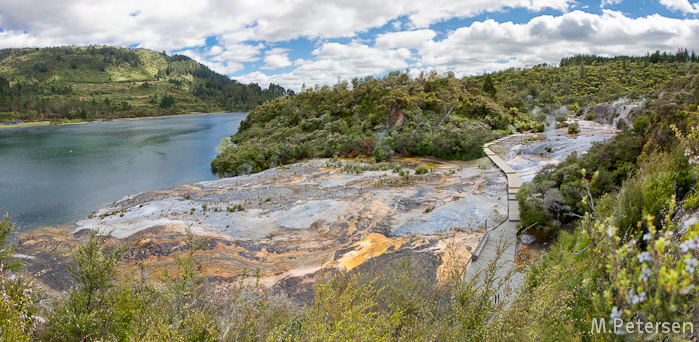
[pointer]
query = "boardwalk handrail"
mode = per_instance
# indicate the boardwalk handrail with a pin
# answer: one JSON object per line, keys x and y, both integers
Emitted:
{"x": 481, "y": 244}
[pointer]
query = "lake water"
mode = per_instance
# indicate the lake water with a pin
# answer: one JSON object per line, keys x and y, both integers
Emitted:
{"x": 43, "y": 183}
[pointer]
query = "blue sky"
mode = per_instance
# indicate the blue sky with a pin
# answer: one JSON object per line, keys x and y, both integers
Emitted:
{"x": 308, "y": 42}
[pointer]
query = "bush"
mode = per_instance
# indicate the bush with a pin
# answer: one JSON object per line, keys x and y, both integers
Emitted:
{"x": 691, "y": 202}
{"x": 538, "y": 127}
{"x": 17, "y": 292}
{"x": 573, "y": 128}
{"x": 590, "y": 116}
{"x": 344, "y": 310}
{"x": 91, "y": 308}
{"x": 531, "y": 207}
{"x": 640, "y": 125}
{"x": 382, "y": 152}
{"x": 421, "y": 170}
{"x": 167, "y": 101}
{"x": 100, "y": 308}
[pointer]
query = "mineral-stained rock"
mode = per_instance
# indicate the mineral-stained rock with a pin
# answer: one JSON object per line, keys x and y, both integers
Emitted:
{"x": 293, "y": 222}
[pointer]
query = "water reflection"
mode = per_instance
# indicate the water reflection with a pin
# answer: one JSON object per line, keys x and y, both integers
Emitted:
{"x": 55, "y": 174}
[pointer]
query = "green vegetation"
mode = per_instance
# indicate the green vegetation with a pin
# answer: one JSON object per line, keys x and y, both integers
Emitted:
{"x": 613, "y": 214}
{"x": 17, "y": 292}
{"x": 691, "y": 202}
{"x": 437, "y": 115}
{"x": 573, "y": 128}
{"x": 94, "y": 82}
{"x": 617, "y": 251}
{"x": 421, "y": 170}
{"x": 631, "y": 176}
{"x": 430, "y": 115}
{"x": 585, "y": 79}
{"x": 103, "y": 307}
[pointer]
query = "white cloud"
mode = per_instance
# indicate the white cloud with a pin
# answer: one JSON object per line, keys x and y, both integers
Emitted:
{"x": 246, "y": 30}
{"x": 490, "y": 45}
{"x": 180, "y": 24}
{"x": 405, "y": 39}
{"x": 226, "y": 59}
{"x": 277, "y": 58}
{"x": 609, "y": 3}
{"x": 424, "y": 13}
{"x": 681, "y": 5}
{"x": 221, "y": 67}
{"x": 332, "y": 61}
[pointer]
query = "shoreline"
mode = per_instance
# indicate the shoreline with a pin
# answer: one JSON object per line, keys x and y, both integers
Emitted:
{"x": 291, "y": 222}
{"x": 79, "y": 122}
{"x": 220, "y": 124}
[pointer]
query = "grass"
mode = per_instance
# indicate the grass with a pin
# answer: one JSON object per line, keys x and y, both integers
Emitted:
{"x": 109, "y": 82}
{"x": 76, "y": 121}
{"x": 225, "y": 143}
{"x": 27, "y": 124}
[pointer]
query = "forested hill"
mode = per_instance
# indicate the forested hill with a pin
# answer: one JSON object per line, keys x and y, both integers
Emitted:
{"x": 439, "y": 115}
{"x": 101, "y": 82}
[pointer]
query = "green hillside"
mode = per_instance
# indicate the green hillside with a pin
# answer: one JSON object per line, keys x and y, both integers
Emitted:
{"x": 109, "y": 82}
{"x": 439, "y": 115}
{"x": 616, "y": 260}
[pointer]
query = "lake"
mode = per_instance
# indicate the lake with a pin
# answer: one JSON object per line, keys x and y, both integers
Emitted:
{"x": 52, "y": 175}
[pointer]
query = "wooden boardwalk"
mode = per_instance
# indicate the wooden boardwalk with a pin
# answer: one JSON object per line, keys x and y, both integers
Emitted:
{"x": 504, "y": 234}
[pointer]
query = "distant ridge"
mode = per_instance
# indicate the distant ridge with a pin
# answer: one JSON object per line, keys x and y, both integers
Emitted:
{"x": 92, "y": 82}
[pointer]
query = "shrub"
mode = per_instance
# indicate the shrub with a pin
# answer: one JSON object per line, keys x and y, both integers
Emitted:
{"x": 17, "y": 292}
{"x": 344, "y": 310}
{"x": 590, "y": 116}
{"x": 101, "y": 308}
{"x": 382, "y": 152}
{"x": 573, "y": 128}
{"x": 88, "y": 308}
{"x": 640, "y": 125}
{"x": 691, "y": 202}
{"x": 421, "y": 170}
{"x": 531, "y": 207}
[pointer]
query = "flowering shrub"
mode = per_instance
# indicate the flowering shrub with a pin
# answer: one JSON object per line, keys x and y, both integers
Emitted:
{"x": 649, "y": 278}
{"x": 17, "y": 295}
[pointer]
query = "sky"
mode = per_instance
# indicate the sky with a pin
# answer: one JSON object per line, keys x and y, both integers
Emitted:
{"x": 298, "y": 43}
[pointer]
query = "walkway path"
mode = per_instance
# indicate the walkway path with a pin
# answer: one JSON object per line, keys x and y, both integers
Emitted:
{"x": 506, "y": 233}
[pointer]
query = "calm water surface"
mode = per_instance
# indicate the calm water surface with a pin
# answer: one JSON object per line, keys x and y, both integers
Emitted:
{"x": 42, "y": 183}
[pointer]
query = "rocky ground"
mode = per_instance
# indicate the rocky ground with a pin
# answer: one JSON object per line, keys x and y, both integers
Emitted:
{"x": 288, "y": 224}
{"x": 291, "y": 222}
{"x": 529, "y": 153}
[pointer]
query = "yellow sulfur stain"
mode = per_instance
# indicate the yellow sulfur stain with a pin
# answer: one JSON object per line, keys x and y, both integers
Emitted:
{"x": 456, "y": 254}
{"x": 370, "y": 247}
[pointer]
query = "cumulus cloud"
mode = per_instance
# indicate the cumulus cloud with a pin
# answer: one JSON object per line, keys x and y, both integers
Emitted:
{"x": 221, "y": 67}
{"x": 332, "y": 61}
{"x": 491, "y": 46}
{"x": 277, "y": 58}
{"x": 179, "y": 24}
{"x": 406, "y": 39}
{"x": 609, "y": 2}
{"x": 246, "y": 31}
{"x": 424, "y": 13}
{"x": 681, "y": 5}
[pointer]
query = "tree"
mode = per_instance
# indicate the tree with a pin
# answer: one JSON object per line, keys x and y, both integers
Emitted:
{"x": 88, "y": 310}
{"x": 489, "y": 86}
{"x": 167, "y": 102}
